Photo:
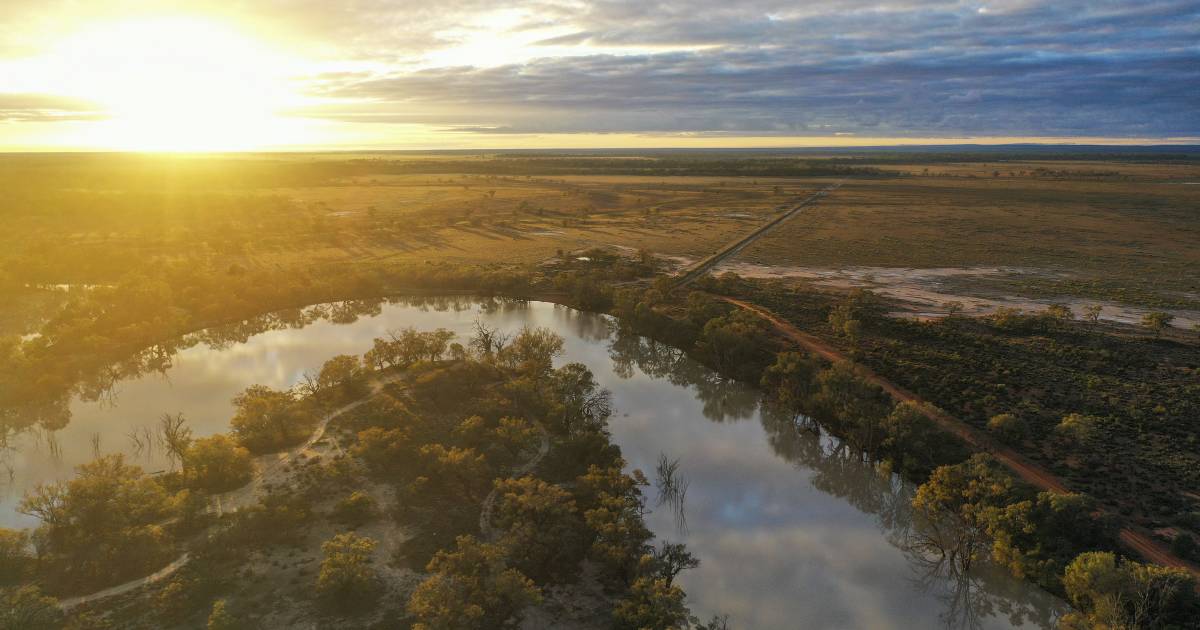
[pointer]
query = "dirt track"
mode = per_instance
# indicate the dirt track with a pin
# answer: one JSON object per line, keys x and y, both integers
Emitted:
{"x": 1031, "y": 473}
{"x": 704, "y": 266}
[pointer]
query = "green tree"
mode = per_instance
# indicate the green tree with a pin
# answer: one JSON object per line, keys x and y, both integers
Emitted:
{"x": 702, "y": 307}
{"x": 653, "y": 603}
{"x": 471, "y": 588}
{"x": 356, "y": 509}
{"x": 613, "y": 506}
{"x": 1037, "y": 538}
{"x": 580, "y": 405}
{"x": 1060, "y": 313}
{"x": 15, "y": 559}
{"x": 857, "y": 405}
{"x": 1009, "y": 428}
{"x": 532, "y": 351}
{"x": 543, "y": 531}
{"x": 1076, "y": 427}
{"x": 1157, "y": 322}
{"x": 910, "y": 435}
{"x": 25, "y": 608}
{"x": 268, "y": 419}
{"x": 347, "y": 577}
{"x": 793, "y": 379}
{"x": 462, "y": 471}
{"x": 217, "y": 464}
{"x": 672, "y": 559}
{"x": 733, "y": 343}
{"x": 514, "y": 435}
{"x": 100, "y": 526}
{"x": 386, "y": 450}
{"x": 382, "y": 355}
{"x": 343, "y": 372}
{"x": 958, "y": 504}
{"x": 1123, "y": 594}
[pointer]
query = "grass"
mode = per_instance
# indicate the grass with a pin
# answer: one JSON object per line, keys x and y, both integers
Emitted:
{"x": 1129, "y": 241}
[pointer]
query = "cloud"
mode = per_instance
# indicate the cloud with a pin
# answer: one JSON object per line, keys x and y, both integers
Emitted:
{"x": 904, "y": 68}
{"x": 45, "y": 108}
{"x": 900, "y": 68}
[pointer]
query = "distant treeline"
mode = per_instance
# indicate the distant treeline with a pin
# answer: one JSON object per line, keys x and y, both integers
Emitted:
{"x": 21, "y": 173}
{"x": 638, "y": 165}
{"x": 1013, "y": 155}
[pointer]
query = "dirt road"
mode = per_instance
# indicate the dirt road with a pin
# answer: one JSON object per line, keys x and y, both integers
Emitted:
{"x": 1149, "y": 548}
{"x": 704, "y": 266}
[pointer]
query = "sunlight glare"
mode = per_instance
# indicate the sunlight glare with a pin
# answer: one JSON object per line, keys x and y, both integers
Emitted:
{"x": 177, "y": 84}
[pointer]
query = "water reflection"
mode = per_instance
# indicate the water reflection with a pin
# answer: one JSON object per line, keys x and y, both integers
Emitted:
{"x": 802, "y": 554}
{"x": 793, "y": 527}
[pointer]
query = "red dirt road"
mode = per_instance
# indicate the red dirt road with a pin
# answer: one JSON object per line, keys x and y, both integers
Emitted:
{"x": 1031, "y": 473}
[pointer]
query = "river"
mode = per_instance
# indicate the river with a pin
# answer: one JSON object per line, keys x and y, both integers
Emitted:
{"x": 793, "y": 529}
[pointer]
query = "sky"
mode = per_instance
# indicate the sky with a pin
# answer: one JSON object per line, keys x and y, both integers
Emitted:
{"x": 461, "y": 74}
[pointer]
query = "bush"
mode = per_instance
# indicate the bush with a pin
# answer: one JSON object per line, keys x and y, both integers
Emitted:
{"x": 347, "y": 577}
{"x": 1076, "y": 428}
{"x": 100, "y": 527}
{"x": 221, "y": 619}
{"x": 15, "y": 560}
{"x": 355, "y": 510}
{"x": 268, "y": 420}
{"x": 217, "y": 464}
{"x": 652, "y": 602}
{"x": 1007, "y": 427}
{"x": 26, "y": 608}
{"x": 470, "y": 588}
{"x": 1112, "y": 593}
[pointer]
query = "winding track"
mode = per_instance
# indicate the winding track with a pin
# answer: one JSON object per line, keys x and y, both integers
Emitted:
{"x": 237, "y": 498}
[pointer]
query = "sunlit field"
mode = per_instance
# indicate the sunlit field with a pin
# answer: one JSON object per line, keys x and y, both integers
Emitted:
{"x": 130, "y": 280}
{"x": 599, "y": 315}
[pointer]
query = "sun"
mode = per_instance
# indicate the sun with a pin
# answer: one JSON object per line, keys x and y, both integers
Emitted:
{"x": 178, "y": 84}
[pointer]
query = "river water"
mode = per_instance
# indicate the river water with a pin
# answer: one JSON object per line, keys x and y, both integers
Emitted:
{"x": 793, "y": 530}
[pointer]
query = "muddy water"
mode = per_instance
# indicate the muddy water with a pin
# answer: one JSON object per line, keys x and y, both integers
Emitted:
{"x": 793, "y": 530}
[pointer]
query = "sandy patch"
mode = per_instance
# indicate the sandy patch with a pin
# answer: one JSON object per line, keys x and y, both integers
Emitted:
{"x": 924, "y": 292}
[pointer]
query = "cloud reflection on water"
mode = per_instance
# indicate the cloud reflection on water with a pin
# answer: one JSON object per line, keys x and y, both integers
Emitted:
{"x": 793, "y": 528}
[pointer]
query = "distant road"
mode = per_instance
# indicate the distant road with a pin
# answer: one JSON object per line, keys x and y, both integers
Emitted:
{"x": 704, "y": 266}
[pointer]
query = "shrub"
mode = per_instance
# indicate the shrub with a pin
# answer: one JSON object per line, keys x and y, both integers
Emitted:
{"x": 1112, "y": 593}
{"x": 470, "y": 588}
{"x": 15, "y": 559}
{"x": 652, "y": 602}
{"x": 1076, "y": 427}
{"x": 1007, "y": 427}
{"x": 26, "y": 608}
{"x": 356, "y": 509}
{"x": 347, "y": 577}
{"x": 217, "y": 464}
{"x": 221, "y": 619}
{"x": 268, "y": 420}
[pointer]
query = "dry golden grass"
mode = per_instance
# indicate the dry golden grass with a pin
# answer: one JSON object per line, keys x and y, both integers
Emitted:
{"x": 1140, "y": 234}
